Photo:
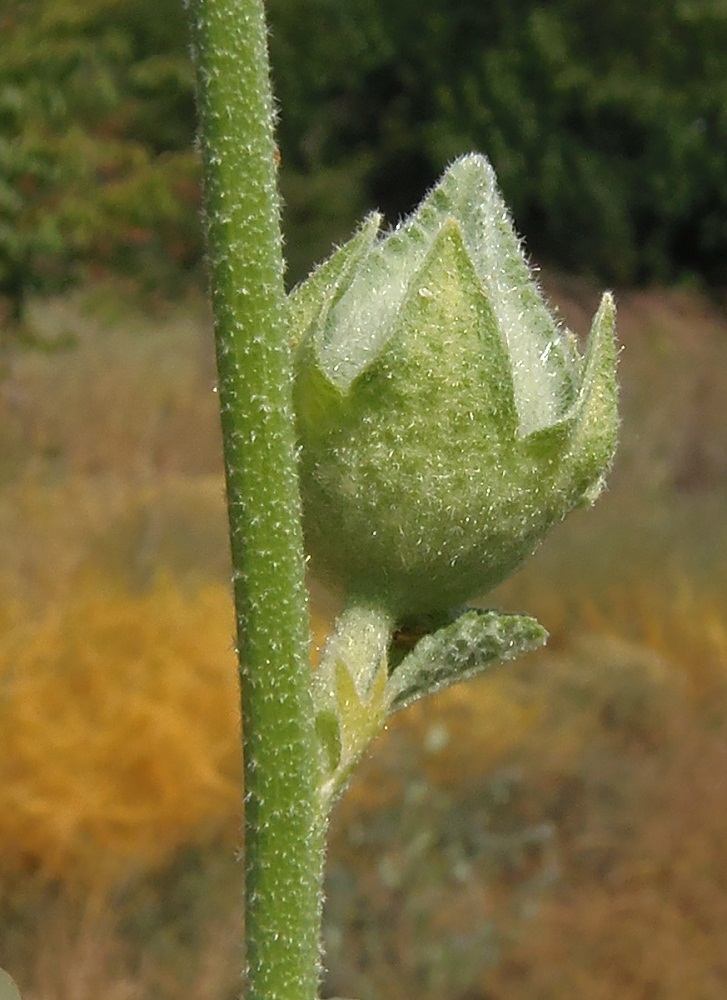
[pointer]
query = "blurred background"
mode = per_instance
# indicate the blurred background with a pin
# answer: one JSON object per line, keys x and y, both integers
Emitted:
{"x": 552, "y": 832}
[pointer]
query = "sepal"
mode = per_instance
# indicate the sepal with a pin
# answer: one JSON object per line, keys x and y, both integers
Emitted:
{"x": 310, "y": 301}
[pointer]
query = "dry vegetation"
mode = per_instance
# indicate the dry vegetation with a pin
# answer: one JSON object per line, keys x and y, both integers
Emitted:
{"x": 554, "y": 831}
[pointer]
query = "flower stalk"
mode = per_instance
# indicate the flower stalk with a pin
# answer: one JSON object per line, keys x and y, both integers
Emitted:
{"x": 284, "y": 822}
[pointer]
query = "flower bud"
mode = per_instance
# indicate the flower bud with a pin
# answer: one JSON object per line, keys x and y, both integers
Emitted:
{"x": 446, "y": 422}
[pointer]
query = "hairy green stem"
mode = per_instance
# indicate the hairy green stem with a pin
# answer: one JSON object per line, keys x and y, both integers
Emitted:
{"x": 284, "y": 826}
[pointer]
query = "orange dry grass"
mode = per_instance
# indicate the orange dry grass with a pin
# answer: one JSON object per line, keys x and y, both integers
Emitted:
{"x": 121, "y": 745}
{"x": 120, "y": 723}
{"x": 682, "y": 622}
{"x": 53, "y": 533}
{"x": 120, "y": 731}
{"x": 678, "y": 613}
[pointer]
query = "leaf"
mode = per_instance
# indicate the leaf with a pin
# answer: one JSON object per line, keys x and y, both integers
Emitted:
{"x": 349, "y": 690}
{"x": 328, "y": 732}
{"x": 472, "y": 644}
{"x": 345, "y": 733}
{"x": 360, "y": 718}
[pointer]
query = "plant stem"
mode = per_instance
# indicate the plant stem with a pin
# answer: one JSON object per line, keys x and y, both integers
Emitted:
{"x": 284, "y": 826}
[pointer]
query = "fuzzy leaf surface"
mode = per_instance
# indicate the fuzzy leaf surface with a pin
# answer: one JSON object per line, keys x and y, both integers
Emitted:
{"x": 471, "y": 645}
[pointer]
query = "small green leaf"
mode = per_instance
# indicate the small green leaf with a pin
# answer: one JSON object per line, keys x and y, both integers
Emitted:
{"x": 345, "y": 732}
{"x": 472, "y": 644}
{"x": 329, "y": 736}
{"x": 349, "y": 692}
{"x": 360, "y": 719}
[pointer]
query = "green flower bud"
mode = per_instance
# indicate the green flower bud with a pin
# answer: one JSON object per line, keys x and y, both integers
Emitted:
{"x": 446, "y": 422}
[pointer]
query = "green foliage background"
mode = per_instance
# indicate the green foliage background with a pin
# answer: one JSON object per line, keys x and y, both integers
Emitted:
{"x": 97, "y": 164}
{"x": 606, "y": 123}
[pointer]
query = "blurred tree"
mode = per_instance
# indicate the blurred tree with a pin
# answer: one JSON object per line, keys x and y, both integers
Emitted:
{"x": 606, "y": 123}
{"x": 96, "y": 157}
